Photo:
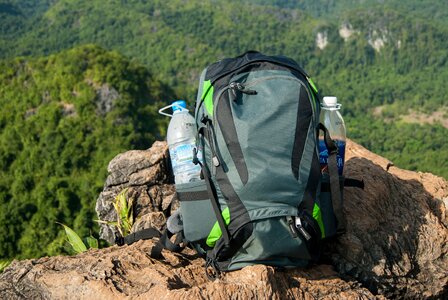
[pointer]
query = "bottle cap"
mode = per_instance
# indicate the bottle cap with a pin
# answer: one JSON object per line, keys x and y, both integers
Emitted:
{"x": 330, "y": 101}
{"x": 179, "y": 105}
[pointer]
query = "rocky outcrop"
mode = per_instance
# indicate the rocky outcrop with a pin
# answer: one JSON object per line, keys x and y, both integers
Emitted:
{"x": 396, "y": 245}
{"x": 397, "y": 238}
{"x": 128, "y": 271}
{"x": 147, "y": 175}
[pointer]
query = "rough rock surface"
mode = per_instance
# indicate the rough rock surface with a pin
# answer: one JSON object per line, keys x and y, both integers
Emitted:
{"x": 397, "y": 237}
{"x": 396, "y": 245}
{"x": 128, "y": 272}
{"x": 148, "y": 178}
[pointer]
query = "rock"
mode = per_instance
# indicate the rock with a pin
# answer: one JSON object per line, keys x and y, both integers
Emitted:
{"x": 396, "y": 244}
{"x": 128, "y": 271}
{"x": 397, "y": 238}
{"x": 147, "y": 176}
{"x": 106, "y": 97}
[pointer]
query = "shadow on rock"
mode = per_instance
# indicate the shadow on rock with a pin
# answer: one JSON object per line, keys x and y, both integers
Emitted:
{"x": 396, "y": 240}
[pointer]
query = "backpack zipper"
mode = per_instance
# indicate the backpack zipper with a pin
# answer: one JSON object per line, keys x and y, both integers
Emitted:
{"x": 287, "y": 65}
{"x": 234, "y": 85}
{"x": 262, "y": 60}
{"x": 212, "y": 138}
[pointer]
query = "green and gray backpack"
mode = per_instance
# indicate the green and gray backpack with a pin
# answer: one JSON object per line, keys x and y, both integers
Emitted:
{"x": 263, "y": 199}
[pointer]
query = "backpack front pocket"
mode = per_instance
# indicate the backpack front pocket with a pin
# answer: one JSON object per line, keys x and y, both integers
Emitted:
{"x": 196, "y": 210}
{"x": 272, "y": 243}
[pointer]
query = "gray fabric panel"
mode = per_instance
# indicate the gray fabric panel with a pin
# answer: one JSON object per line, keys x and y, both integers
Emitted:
{"x": 197, "y": 216}
{"x": 198, "y": 219}
{"x": 266, "y": 131}
{"x": 271, "y": 243}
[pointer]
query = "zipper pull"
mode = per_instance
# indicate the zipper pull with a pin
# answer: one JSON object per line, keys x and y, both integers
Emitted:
{"x": 215, "y": 161}
{"x": 211, "y": 138}
{"x": 302, "y": 230}
{"x": 291, "y": 226}
{"x": 241, "y": 88}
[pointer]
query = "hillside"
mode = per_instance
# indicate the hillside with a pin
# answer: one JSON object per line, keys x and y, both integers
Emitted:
{"x": 63, "y": 118}
{"x": 386, "y": 63}
{"x": 436, "y": 11}
{"x": 390, "y": 57}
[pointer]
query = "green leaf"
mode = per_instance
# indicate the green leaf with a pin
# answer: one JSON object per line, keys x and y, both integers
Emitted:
{"x": 110, "y": 223}
{"x": 92, "y": 242}
{"x": 74, "y": 240}
{"x": 124, "y": 209}
{"x": 4, "y": 264}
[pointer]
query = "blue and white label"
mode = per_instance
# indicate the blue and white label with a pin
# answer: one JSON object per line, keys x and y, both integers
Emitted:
{"x": 182, "y": 153}
{"x": 323, "y": 156}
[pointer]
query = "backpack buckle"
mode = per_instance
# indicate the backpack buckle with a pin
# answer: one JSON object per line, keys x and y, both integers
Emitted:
{"x": 195, "y": 156}
{"x": 119, "y": 240}
{"x": 205, "y": 119}
{"x": 237, "y": 86}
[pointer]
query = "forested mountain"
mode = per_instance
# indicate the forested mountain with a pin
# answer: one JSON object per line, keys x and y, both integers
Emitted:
{"x": 62, "y": 119}
{"x": 385, "y": 60}
{"x": 425, "y": 9}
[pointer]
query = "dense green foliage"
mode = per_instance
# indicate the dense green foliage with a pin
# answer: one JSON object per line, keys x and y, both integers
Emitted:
{"x": 424, "y": 9}
{"x": 55, "y": 163}
{"x": 63, "y": 118}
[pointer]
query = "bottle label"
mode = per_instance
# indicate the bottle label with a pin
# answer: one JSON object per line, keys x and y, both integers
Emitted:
{"x": 182, "y": 163}
{"x": 181, "y": 154}
{"x": 323, "y": 156}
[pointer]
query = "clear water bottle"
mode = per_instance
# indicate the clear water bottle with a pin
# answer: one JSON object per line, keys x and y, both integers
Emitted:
{"x": 181, "y": 138}
{"x": 333, "y": 121}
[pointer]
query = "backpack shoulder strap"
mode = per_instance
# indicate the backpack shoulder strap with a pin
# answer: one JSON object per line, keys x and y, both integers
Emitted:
{"x": 335, "y": 188}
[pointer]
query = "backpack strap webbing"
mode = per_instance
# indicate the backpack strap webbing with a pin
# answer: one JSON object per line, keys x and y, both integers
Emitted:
{"x": 335, "y": 188}
{"x": 212, "y": 194}
{"x": 164, "y": 241}
{"x": 352, "y": 182}
{"x": 348, "y": 182}
{"x": 144, "y": 234}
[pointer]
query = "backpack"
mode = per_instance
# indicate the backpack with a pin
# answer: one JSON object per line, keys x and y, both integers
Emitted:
{"x": 262, "y": 198}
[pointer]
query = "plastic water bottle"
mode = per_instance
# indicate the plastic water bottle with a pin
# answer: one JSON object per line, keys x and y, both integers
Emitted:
{"x": 333, "y": 121}
{"x": 181, "y": 138}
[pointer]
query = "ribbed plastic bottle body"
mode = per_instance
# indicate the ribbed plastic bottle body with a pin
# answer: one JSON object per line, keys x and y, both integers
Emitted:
{"x": 181, "y": 138}
{"x": 333, "y": 121}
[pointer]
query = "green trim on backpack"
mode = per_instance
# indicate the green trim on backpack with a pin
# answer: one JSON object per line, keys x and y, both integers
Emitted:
{"x": 216, "y": 232}
{"x": 207, "y": 96}
{"x": 317, "y": 215}
{"x": 313, "y": 85}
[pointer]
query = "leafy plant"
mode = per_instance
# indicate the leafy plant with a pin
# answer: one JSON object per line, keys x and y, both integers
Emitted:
{"x": 125, "y": 213}
{"x": 56, "y": 140}
{"x": 77, "y": 244}
{"x": 4, "y": 264}
{"x": 124, "y": 207}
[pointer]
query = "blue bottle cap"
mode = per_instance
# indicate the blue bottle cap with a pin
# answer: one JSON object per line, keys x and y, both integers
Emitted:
{"x": 178, "y": 105}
